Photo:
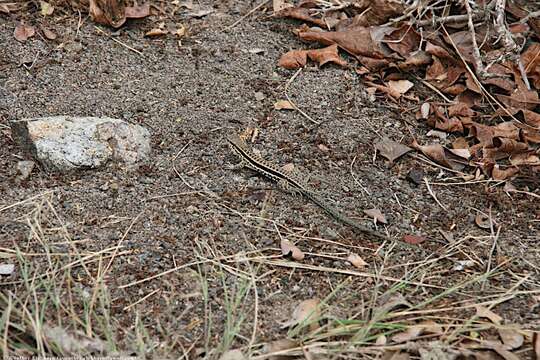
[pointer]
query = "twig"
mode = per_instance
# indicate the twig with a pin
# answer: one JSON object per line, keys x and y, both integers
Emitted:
{"x": 24, "y": 201}
{"x": 434, "y": 89}
{"x": 294, "y": 265}
{"x": 141, "y": 299}
{"x": 256, "y": 310}
{"x": 501, "y": 28}
{"x": 245, "y": 16}
{"x": 137, "y": 282}
{"x": 524, "y": 192}
{"x": 529, "y": 16}
{"x": 356, "y": 178}
{"x": 119, "y": 42}
{"x": 482, "y": 88}
{"x": 480, "y": 69}
{"x": 507, "y": 40}
{"x": 495, "y": 238}
{"x": 433, "y": 195}
{"x": 455, "y": 19}
{"x": 292, "y": 103}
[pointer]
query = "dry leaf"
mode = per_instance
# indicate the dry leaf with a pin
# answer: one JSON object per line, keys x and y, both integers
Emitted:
{"x": 400, "y": 86}
{"x": 357, "y": 261}
{"x": 460, "y": 109}
{"x": 531, "y": 118}
{"x": 411, "y": 333}
{"x": 325, "y": 55}
{"x": 395, "y": 302}
{"x": 389, "y": 355}
{"x": 505, "y": 354}
{"x": 416, "y": 60}
{"x": 307, "y": 312}
{"x": 283, "y": 105}
{"x": 137, "y": 12}
{"x": 234, "y": 354}
{"x": 521, "y": 98}
{"x": 278, "y": 346}
{"x": 381, "y": 340}
{"x": 300, "y": 13}
{"x": 70, "y": 343}
{"x": 425, "y": 110}
{"x": 404, "y": 41}
{"x": 200, "y": 13}
{"x": 156, "y": 32}
{"x": 428, "y": 326}
{"x": 279, "y": 5}
{"x": 511, "y": 338}
{"x": 413, "y": 239}
{"x": 463, "y": 264}
{"x": 377, "y": 215}
{"x": 295, "y": 59}
{"x": 431, "y": 327}
{"x": 107, "y": 12}
{"x": 9, "y": 7}
{"x": 323, "y": 147}
{"x": 484, "y": 312}
{"x": 460, "y": 143}
{"x": 462, "y": 153}
{"x": 361, "y": 42}
{"x": 288, "y": 248}
{"x": 7, "y": 269}
{"x": 529, "y": 158}
{"x": 509, "y": 146}
{"x": 46, "y": 8}
{"x": 438, "y": 134}
{"x": 391, "y": 150}
{"x": 181, "y": 31}
{"x": 502, "y": 174}
{"x": 434, "y": 151}
{"x": 483, "y": 221}
{"x": 23, "y": 32}
{"x": 49, "y": 34}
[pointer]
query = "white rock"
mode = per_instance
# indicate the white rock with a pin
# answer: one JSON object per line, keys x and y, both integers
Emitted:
{"x": 66, "y": 143}
{"x": 6, "y": 269}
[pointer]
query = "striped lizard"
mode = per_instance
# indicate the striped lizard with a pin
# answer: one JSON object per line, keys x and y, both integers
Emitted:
{"x": 291, "y": 182}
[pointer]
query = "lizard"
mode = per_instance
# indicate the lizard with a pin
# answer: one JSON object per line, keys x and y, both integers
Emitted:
{"x": 292, "y": 183}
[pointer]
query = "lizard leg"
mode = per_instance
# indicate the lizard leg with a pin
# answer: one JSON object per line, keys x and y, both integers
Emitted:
{"x": 286, "y": 186}
{"x": 238, "y": 166}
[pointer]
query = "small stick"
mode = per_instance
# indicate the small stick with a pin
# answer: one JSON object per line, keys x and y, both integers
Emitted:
{"x": 495, "y": 238}
{"x": 141, "y": 299}
{"x": 245, "y": 16}
{"x": 507, "y": 39}
{"x": 433, "y": 195}
{"x": 475, "y": 51}
{"x": 118, "y": 41}
{"x": 292, "y": 103}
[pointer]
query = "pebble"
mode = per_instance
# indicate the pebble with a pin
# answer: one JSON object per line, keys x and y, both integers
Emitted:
{"x": 25, "y": 169}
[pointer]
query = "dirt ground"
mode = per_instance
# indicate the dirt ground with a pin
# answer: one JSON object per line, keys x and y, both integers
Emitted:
{"x": 187, "y": 206}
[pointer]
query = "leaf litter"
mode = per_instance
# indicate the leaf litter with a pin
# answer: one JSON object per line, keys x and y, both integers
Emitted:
{"x": 306, "y": 312}
{"x": 288, "y": 248}
{"x": 491, "y": 92}
{"x": 23, "y": 32}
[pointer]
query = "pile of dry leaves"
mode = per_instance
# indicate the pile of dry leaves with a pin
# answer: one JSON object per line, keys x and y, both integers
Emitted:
{"x": 481, "y": 60}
